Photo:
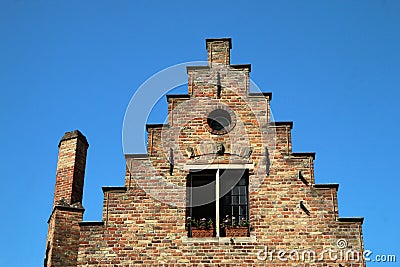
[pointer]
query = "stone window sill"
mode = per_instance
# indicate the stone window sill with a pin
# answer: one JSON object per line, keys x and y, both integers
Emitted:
{"x": 219, "y": 240}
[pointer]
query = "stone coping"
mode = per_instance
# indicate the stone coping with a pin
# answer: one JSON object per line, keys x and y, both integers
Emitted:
{"x": 219, "y": 240}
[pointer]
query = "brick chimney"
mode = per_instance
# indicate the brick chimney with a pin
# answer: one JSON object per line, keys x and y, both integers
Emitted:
{"x": 219, "y": 50}
{"x": 63, "y": 234}
{"x": 70, "y": 168}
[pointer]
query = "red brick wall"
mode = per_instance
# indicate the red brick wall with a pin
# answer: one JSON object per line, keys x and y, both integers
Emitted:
{"x": 63, "y": 237}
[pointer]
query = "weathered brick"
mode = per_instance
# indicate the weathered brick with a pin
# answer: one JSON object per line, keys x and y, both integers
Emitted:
{"x": 287, "y": 210}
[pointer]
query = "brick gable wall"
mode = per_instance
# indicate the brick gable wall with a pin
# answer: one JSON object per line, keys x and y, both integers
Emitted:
{"x": 143, "y": 222}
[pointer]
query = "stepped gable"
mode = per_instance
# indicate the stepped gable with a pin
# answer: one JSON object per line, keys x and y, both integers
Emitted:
{"x": 219, "y": 157}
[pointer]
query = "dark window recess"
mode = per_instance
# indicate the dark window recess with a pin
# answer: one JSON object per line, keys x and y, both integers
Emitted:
{"x": 219, "y": 120}
{"x": 206, "y": 211}
{"x": 234, "y": 200}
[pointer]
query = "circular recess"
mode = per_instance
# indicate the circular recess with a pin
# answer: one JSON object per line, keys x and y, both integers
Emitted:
{"x": 219, "y": 121}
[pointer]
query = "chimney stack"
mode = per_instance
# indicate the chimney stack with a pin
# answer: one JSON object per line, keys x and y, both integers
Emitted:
{"x": 219, "y": 50}
{"x": 70, "y": 169}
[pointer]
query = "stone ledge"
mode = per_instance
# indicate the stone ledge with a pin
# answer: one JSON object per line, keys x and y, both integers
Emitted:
{"x": 91, "y": 223}
{"x": 214, "y": 166}
{"x": 263, "y": 94}
{"x": 281, "y": 123}
{"x": 219, "y": 240}
{"x": 156, "y": 125}
{"x": 351, "y": 219}
{"x": 323, "y": 186}
{"x": 136, "y": 156}
{"x": 181, "y": 96}
{"x": 189, "y": 68}
{"x": 114, "y": 188}
{"x": 304, "y": 154}
{"x": 241, "y": 66}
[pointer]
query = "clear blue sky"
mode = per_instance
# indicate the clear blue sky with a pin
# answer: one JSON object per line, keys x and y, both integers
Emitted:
{"x": 333, "y": 67}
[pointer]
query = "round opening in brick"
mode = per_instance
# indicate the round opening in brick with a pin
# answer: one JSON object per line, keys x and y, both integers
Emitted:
{"x": 219, "y": 121}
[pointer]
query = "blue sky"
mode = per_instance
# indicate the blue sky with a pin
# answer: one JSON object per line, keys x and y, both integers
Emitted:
{"x": 333, "y": 68}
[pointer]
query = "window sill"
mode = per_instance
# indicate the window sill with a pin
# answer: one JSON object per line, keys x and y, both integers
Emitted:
{"x": 219, "y": 240}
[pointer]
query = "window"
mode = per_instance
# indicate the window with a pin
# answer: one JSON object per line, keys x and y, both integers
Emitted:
{"x": 219, "y": 120}
{"x": 204, "y": 208}
{"x": 234, "y": 204}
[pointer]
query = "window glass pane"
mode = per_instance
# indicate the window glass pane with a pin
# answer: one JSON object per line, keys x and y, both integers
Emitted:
{"x": 235, "y": 213}
{"x": 242, "y": 190}
{"x": 243, "y": 212}
{"x": 235, "y": 191}
{"x": 242, "y": 200}
{"x": 228, "y": 180}
{"x": 235, "y": 200}
{"x": 239, "y": 200}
